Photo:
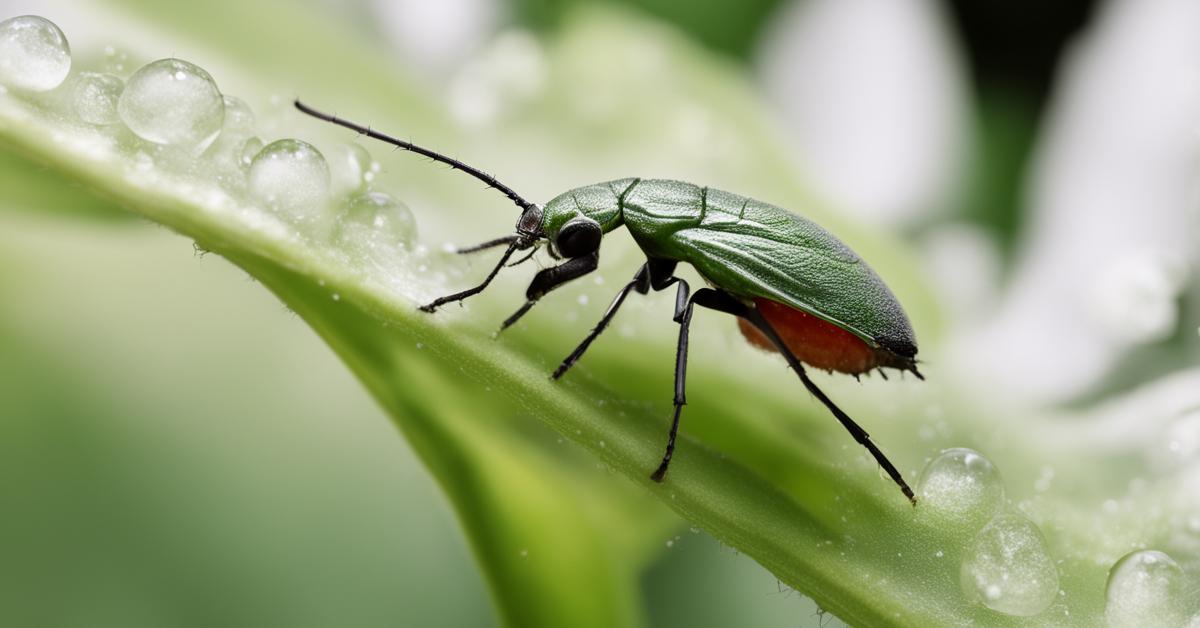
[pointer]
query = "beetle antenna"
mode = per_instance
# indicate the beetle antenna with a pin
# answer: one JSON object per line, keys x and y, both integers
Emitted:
{"x": 487, "y": 179}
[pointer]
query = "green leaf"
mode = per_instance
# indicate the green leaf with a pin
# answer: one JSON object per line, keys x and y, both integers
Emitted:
{"x": 760, "y": 465}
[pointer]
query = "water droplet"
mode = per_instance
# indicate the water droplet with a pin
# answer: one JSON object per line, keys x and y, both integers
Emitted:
{"x": 95, "y": 97}
{"x": 1145, "y": 588}
{"x": 290, "y": 177}
{"x": 376, "y": 225}
{"x": 249, "y": 149}
{"x": 962, "y": 487}
{"x": 171, "y": 101}
{"x": 524, "y": 553}
{"x": 34, "y": 54}
{"x": 349, "y": 166}
{"x": 239, "y": 118}
{"x": 1008, "y": 568}
{"x": 670, "y": 542}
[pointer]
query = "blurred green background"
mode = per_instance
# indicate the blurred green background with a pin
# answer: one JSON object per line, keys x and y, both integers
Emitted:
{"x": 177, "y": 449}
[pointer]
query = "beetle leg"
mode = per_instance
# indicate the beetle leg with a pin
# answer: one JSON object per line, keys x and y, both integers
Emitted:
{"x": 459, "y": 296}
{"x": 550, "y": 278}
{"x": 641, "y": 283}
{"x": 860, "y": 435}
{"x": 683, "y": 316}
{"x": 657, "y": 274}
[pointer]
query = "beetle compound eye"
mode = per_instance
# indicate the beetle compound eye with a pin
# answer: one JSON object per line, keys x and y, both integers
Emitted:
{"x": 578, "y": 237}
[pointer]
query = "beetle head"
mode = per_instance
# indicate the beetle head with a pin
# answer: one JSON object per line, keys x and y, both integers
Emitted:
{"x": 529, "y": 227}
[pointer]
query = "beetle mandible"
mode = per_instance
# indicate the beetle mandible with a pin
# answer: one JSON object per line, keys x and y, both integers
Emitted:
{"x": 794, "y": 287}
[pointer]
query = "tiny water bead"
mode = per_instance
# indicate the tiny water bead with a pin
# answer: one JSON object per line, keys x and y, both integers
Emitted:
{"x": 290, "y": 177}
{"x": 173, "y": 102}
{"x": 1145, "y": 588}
{"x": 227, "y": 154}
{"x": 376, "y": 223}
{"x": 95, "y": 97}
{"x": 1008, "y": 569}
{"x": 249, "y": 149}
{"x": 34, "y": 54}
{"x": 960, "y": 486}
{"x": 239, "y": 118}
{"x": 350, "y": 167}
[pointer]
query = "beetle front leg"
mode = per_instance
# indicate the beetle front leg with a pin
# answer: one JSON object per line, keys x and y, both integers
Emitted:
{"x": 551, "y": 278}
{"x": 641, "y": 283}
{"x": 459, "y": 296}
{"x": 656, "y": 274}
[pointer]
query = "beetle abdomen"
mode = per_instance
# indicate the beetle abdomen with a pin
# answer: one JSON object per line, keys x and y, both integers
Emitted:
{"x": 815, "y": 342}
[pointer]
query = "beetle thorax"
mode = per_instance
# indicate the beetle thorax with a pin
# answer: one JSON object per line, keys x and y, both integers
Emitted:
{"x": 599, "y": 203}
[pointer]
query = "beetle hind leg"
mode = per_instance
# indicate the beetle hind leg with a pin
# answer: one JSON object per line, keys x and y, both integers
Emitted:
{"x": 860, "y": 435}
{"x": 724, "y": 302}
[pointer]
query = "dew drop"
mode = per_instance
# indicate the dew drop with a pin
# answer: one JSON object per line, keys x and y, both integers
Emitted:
{"x": 1145, "y": 588}
{"x": 290, "y": 177}
{"x": 173, "y": 102}
{"x": 376, "y": 224}
{"x": 962, "y": 487}
{"x": 228, "y": 153}
{"x": 249, "y": 149}
{"x": 95, "y": 97}
{"x": 1008, "y": 569}
{"x": 34, "y": 54}
{"x": 349, "y": 166}
{"x": 239, "y": 118}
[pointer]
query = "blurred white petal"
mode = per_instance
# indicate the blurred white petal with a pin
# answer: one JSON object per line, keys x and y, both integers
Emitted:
{"x": 1112, "y": 226}
{"x": 964, "y": 263}
{"x": 508, "y": 73}
{"x": 872, "y": 96}
{"x": 436, "y": 35}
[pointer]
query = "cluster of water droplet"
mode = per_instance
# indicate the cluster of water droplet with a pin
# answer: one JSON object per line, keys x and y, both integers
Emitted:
{"x": 1005, "y": 564}
{"x": 169, "y": 116}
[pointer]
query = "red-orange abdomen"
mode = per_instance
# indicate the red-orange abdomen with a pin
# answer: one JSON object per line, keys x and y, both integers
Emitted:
{"x": 815, "y": 342}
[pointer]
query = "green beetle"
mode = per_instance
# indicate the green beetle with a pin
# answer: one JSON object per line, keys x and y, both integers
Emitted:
{"x": 794, "y": 287}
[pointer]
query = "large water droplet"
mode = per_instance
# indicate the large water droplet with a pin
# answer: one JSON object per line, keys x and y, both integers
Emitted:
{"x": 291, "y": 178}
{"x": 1008, "y": 569}
{"x": 377, "y": 225}
{"x": 962, "y": 487}
{"x": 95, "y": 97}
{"x": 171, "y": 101}
{"x": 34, "y": 54}
{"x": 1145, "y": 588}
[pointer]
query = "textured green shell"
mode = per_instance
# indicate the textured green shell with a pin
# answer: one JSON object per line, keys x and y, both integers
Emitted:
{"x": 755, "y": 249}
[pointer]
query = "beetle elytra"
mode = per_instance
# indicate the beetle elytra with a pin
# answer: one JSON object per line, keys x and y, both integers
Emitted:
{"x": 794, "y": 287}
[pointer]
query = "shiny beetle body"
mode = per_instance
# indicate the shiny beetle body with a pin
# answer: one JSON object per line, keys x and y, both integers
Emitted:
{"x": 794, "y": 287}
